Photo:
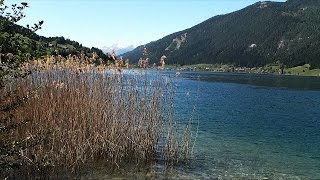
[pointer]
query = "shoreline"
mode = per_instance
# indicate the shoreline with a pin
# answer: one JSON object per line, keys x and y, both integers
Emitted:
{"x": 271, "y": 69}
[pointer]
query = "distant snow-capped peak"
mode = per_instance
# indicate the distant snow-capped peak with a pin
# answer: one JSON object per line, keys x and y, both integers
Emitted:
{"x": 119, "y": 48}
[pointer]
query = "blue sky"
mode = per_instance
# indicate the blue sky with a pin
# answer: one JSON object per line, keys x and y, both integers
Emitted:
{"x": 101, "y": 23}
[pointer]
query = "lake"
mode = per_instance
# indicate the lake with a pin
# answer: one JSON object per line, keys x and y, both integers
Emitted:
{"x": 246, "y": 126}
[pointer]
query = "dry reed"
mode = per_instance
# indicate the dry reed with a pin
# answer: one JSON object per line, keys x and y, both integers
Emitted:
{"x": 74, "y": 113}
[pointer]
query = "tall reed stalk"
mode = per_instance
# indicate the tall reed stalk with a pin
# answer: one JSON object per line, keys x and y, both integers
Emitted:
{"x": 72, "y": 116}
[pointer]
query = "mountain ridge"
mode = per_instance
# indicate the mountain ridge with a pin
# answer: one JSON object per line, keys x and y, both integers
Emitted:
{"x": 262, "y": 33}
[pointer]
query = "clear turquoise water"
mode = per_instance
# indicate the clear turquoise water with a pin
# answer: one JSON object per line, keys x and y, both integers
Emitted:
{"x": 253, "y": 126}
{"x": 250, "y": 127}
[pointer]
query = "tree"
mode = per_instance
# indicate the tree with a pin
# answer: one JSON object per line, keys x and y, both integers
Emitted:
{"x": 9, "y": 41}
{"x": 15, "y": 15}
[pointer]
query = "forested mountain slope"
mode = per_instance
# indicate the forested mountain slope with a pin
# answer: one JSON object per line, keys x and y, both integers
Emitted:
{"x": 265, "y": 32}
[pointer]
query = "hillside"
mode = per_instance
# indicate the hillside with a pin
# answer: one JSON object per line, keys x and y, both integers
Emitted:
{"x": 262, "y": 33}
{"x": 23, "y": 44}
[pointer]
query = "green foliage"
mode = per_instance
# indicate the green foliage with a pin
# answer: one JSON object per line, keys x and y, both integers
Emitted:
{"x": 18, "y": 43}
{"x": 262, "y": 33}
{"x": 15, "y": 44}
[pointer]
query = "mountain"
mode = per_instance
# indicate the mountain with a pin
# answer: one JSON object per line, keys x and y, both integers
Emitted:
{"x": 262, "y": 33}
{"x": 119, "y": 48}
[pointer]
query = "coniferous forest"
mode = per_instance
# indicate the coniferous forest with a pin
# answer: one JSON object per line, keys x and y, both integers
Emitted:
{"x": 263, "y": 33}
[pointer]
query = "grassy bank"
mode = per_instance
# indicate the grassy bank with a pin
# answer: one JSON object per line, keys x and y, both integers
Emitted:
{"x": 304, "y": 70}
{"x": 67, "y": 114}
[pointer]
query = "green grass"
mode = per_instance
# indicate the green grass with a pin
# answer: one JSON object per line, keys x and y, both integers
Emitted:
{"x": 273, "y": 68}
{"x": 303, "y": 71}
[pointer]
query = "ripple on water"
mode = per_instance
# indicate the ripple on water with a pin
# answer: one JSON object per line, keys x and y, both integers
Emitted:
{"x": 250, "y": 127}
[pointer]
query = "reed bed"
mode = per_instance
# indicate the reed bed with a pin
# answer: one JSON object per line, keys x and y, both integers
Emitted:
{"x": 72, "y": 114}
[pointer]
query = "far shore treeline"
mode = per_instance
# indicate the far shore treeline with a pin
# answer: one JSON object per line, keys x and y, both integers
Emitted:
{"x": 24, "y": 45}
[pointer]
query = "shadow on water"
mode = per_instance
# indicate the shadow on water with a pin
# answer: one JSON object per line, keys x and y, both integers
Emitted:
{"x": 262, "y": 80}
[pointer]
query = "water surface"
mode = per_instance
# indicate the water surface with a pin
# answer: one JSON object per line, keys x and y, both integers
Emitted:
{"x": 249, "y": 126}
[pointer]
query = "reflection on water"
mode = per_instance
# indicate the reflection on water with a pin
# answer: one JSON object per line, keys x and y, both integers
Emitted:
{"x": 250, "y": 127}
{"x": 266, "y": 80}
